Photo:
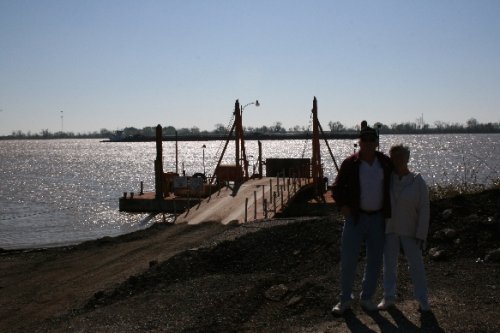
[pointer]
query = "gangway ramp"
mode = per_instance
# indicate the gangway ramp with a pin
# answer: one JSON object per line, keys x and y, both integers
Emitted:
{"x": 254, "y": 199}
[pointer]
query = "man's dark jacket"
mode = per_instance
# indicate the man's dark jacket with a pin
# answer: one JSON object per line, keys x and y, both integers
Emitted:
{"x": 346, "y": 189}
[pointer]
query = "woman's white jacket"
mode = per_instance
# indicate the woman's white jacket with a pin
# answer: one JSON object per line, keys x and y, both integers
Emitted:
{"x": 410, "y": 206}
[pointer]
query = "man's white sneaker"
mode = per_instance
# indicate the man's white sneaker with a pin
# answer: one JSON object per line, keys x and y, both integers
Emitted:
{"x": 386, "y": 304}
{"x": 368, "y": 305}
{"x": 341, "y": 307}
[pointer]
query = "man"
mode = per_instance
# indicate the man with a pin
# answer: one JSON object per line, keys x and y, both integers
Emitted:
{"x": 362, "y": 193}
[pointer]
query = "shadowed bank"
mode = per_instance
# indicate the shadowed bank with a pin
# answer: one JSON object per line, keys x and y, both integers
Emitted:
{"x": 279, "y": 275}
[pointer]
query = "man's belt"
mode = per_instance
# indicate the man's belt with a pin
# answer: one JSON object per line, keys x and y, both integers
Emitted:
{"x": 370, "y": 212}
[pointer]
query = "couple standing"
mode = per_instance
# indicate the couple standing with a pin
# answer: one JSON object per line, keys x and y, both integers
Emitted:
{"x": 386, "y": 206}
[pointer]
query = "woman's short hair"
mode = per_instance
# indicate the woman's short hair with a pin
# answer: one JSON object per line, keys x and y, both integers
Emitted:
{"x": 400, "y": 149}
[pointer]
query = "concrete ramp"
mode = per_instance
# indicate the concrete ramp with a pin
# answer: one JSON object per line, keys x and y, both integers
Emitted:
{"x": 254, "y": 200}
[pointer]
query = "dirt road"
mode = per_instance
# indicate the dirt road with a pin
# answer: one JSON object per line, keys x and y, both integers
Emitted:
{"x": 44, "y": 283}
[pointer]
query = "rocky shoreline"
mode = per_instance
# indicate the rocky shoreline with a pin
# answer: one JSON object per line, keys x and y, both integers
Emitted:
{"x": 279, "y": 275}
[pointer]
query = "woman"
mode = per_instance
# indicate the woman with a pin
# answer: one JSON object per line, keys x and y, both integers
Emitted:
{"x": 407, "y": 228}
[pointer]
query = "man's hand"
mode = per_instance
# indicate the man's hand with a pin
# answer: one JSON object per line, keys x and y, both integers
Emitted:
{"x": 346, "y": 211}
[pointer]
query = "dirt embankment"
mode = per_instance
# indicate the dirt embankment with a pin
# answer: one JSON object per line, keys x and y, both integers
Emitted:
{"x": 280, "y": 275}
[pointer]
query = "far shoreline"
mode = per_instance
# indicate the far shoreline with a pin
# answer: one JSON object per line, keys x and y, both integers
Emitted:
{"x": 248, "y": 136}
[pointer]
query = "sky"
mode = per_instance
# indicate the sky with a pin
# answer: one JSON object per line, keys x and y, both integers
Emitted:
{"x": 82, "y": 66}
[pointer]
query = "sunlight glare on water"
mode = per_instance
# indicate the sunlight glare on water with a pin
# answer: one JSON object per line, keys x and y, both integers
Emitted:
{"x": 56, "y": 192}
{"x": 61, "y": 191}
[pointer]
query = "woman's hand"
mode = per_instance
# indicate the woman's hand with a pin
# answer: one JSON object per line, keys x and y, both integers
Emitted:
{"x": 422, "y": 244}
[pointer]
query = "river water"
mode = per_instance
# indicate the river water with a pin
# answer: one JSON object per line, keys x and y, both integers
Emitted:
{"x": 60, "y": 192}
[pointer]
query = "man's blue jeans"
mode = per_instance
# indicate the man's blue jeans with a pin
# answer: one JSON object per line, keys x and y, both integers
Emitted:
{"x": 371, "y": 230}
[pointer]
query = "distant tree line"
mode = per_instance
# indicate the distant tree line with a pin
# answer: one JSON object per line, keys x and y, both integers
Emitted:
{"x": 471, "y": 126}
